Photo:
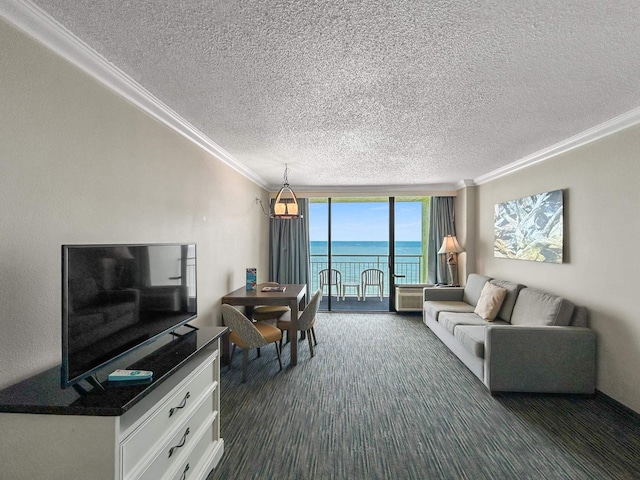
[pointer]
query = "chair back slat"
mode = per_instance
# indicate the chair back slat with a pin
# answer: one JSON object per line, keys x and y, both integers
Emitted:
{"x": 373, "y": 276}
{"x": 336, "y": 276}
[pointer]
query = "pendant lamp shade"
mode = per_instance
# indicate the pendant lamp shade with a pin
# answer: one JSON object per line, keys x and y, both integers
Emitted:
{"x": 286, "y": 203}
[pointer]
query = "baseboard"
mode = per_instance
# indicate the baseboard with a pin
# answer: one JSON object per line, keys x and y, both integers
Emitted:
{"x": 623, "y": 409}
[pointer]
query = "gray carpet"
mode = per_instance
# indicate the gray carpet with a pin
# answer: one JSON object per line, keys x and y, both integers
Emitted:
{"x": 384, "y": 399}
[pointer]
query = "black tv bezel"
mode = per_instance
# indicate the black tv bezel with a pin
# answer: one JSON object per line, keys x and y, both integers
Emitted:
{"x": 65, "y": 381}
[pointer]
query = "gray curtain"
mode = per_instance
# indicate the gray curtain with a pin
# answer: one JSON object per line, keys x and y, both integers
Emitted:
{"x": 442, "y": 223}
{"x": 289, "y": 258}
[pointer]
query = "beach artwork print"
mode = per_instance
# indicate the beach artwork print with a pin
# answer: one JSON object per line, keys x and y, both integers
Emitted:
{"x": 530, "y": 228}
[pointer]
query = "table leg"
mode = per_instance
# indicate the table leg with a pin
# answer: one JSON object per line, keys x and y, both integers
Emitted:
{"x": 293, "y": 333}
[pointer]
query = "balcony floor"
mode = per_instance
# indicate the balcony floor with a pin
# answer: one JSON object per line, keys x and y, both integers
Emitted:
{"x": 351, "y": 304}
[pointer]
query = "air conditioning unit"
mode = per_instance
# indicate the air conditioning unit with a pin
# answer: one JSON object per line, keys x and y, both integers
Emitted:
{"x": 409, "y": 297}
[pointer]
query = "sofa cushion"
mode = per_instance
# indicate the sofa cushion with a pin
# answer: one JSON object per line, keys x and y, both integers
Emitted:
{"x": 535, "y": 307}
{"x": 580, "y": 317}
{"x": 472, "y": 338}
{"x": 490, "y": 301}
{"x": 450, "y": 320}
{"x": 473, "y": 288}
{"x": 434, "y": 308}
{"x": 509, "y": 301}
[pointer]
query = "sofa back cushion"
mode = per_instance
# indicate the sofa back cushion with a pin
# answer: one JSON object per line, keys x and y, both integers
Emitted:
{"x": 510, "y": 299}
{"x": 580, "y": 317}
{"x": 535, "y": 307}
{"x": 473, "y": 288}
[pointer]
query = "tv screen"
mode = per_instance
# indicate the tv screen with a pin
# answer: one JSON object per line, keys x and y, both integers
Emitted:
{"x": 116, "y": 298}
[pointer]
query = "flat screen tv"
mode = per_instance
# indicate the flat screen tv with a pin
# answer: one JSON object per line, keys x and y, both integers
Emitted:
{"x": 116, "y": 298}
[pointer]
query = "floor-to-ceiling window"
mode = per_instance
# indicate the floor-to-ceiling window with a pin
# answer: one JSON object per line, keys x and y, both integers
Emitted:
{"x": 351, "y": 256}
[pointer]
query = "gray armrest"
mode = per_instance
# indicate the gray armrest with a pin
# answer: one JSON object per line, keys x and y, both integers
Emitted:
{"x": 540, "y": 359}
{"x": 443, "y": 294}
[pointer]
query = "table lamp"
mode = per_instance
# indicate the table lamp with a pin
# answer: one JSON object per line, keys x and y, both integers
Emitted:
{"x": 451, "y": 247}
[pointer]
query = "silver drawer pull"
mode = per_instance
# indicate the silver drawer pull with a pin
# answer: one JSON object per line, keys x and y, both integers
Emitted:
{"x": 184, "y": 472}
{"x": 181, "y": 444}
{"x": 182, "y": 404}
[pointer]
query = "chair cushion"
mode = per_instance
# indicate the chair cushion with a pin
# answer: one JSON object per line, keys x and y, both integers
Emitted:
{"x": 269, "y": 332}
{"x": 268, "y": 312}
{"x": 490, "y": 301}
{"x": 472, "y": 338}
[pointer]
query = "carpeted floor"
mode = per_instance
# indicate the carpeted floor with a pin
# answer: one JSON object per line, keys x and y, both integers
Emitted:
{"x": 384, "y": 399}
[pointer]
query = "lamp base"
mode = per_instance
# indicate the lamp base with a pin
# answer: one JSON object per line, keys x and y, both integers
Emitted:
{"x": 452, "y": 279}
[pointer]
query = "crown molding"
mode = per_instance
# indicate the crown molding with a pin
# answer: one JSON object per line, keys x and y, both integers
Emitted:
{"x": 609, "y": 127}
{"x": 435, "y": 189}
{"x": 38, "y": 24}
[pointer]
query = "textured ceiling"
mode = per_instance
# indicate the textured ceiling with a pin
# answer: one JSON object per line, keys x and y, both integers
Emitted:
{"x": 371, "y": 93}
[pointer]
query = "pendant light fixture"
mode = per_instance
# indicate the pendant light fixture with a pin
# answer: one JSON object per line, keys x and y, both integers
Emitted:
{"x": 285, "y": 205}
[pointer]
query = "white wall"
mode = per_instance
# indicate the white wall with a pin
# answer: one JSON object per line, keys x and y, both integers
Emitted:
{"x": 601, "y": 200}
{"x": 78, "y": 164}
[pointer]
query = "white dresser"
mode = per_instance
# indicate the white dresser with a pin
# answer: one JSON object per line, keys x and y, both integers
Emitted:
{"x": 169, "y": 429}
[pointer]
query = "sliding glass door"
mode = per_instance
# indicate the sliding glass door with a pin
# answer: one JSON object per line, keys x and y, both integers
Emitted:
{"x": 351, "y": 258}
{"x": 411, "y": 228}
{"x": 360, "y": 252}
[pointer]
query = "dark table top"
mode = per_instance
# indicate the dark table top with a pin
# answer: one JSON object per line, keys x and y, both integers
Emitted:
{"x": 242, "y": 296}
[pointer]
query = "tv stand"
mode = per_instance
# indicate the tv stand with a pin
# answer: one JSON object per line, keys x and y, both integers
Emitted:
{"x": 176, "y": 334}
{"x": 91, "y": 380}
{"x": 160, "y": 430}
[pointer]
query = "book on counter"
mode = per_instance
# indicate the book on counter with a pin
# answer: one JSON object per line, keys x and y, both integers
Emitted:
{"x": 129, "y": 375}
{"x": 273, "y": 288}
{"x": 252, "y": 276}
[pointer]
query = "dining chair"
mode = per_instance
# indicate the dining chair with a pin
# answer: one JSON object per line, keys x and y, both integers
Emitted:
{"x": 306, "y": 320}
{"x": 372, "y": 277}
{"x": 247, "y": 335}
{"x": 328, "y": 280}
{"x": 263, "y": 313}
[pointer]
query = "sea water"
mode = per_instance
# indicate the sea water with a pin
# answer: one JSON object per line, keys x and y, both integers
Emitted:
{"x": 352, "y": 257}
{"x": 360, "y": 248}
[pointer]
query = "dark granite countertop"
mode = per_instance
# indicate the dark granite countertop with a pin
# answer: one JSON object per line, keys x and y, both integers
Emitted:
{"x": 43, "y": 394}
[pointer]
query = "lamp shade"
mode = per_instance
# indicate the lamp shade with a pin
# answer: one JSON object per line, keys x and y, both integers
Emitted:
{"x": 450, "y": 245}
{"x": 285, "y": 204}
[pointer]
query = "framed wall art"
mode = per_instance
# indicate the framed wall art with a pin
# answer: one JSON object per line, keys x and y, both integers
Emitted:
{"x": 530, "y": 228}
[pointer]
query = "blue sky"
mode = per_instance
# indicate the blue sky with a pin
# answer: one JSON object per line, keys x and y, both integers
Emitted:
{"x": 366, "y": 221}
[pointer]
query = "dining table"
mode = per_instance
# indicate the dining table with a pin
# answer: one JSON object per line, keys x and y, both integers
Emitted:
{"x": 293, "y": 295}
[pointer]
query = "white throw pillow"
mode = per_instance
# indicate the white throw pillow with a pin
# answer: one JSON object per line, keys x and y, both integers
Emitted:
{"x": 490, "y": 301}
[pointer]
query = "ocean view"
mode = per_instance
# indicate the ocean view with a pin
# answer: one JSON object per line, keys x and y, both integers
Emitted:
{"x": 351, "y": 258}
{"x": 365, "y": 248}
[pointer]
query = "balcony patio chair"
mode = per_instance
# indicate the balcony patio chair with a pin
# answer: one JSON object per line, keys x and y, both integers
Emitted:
{"x": 247, "y": 335}
{"x": 336, "y": 279}
{"x": 372, "y": 277}
{"x": 306, "y": 320}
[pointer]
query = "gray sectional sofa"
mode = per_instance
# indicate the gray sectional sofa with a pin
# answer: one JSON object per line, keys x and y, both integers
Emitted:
{"x": 538, "y": 342}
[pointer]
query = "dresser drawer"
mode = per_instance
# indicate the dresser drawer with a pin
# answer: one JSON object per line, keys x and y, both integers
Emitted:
{"x": 197, "y": 464}
{"x": 183, "y": 443}
{"x": 169, "y": 416}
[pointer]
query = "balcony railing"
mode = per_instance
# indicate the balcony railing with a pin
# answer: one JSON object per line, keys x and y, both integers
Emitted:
{"x": 352, "y": 266}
